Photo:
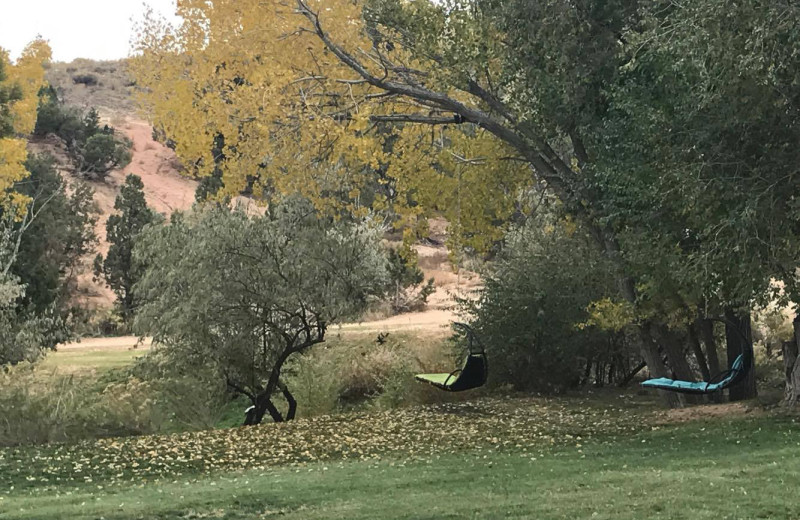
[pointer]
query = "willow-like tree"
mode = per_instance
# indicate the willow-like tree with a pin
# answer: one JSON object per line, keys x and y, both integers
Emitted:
{"x": 242, "y": 295}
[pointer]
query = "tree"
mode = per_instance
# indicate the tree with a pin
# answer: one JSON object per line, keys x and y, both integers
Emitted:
{"x": 19, "y": 86}
{"x": 62, "y": 236}
{"x": 93, "y": 150}
{"x": 118, "y": 268}
{"x": 545, "y": 311}
{"x": 244, "y": 294}
{"x": 521, "y": 97}
{"x": 38, "y": 254}
{"x": 55, "y": 243}
{"x": 408, "y": 290}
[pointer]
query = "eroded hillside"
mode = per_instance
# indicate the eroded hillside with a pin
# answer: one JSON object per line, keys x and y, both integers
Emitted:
{"x": 107, "y": 87}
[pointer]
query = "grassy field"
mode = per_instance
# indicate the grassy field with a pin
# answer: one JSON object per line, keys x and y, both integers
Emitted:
{"x": 491, "y": 458}
{"x": 607, "y": 455}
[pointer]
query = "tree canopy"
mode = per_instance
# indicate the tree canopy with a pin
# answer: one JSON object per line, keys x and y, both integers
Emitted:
{"x": 19, "y": 88}
{"x": 118, "y": 268}
{"x": 244, "y": 293}
{"x": 665, "y": 130}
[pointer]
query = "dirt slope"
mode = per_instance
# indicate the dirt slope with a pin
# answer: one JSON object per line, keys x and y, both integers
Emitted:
{"x": 167, "y": 190}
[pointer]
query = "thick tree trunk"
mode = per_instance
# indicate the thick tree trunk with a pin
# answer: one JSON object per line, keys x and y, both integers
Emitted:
{"x": 791, "y": 363}
{"x": 739, "y": 336}
{"x": 655, "y": 364}
{"x": 647, "y": 337}
{"x": 706, "y": 328}
{"x": 587, "y": 373}
{"x": 676, "y": 356}
{"x": 694, "y": 343}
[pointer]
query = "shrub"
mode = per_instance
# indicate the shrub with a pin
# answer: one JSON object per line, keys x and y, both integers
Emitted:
{"x": 69, "y": 408}
{"x": 38, "y": 407}
{"x": 361, "y": 373}
{"x": 89, "y": 80}
{"x": 104, "y": 152}
{"x": 408, "y": 290}
{"x": 532, "y": 313}
{"x": 49, "y": 120}
{"x": 93, "y": 149}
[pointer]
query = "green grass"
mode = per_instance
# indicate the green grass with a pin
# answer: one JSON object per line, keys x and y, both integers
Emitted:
{"x": 90, "y": 359}
{"x": 578, "y": 461}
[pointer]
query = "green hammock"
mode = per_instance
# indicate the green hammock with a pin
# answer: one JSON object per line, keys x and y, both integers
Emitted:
{"x": 740, "y": 367}
{"x": 472, "y": 375}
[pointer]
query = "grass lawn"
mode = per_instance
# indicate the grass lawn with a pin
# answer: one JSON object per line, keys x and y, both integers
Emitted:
{"x": 492, "y": 458}
{"x": 93, "y": 355}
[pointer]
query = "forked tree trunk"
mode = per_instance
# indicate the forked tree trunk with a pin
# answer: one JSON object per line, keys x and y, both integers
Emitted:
{"x": 630, "y": 375}
{"x": 738, "y": 337}
{"x": 262, "y": 406}
{"x": 676, "y": 356}
{"x": 791, "y": 363}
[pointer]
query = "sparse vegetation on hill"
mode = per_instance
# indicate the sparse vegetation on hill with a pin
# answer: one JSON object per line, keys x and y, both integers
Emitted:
{"x": 94, "y": 150}
{"x": 87, "y": 83}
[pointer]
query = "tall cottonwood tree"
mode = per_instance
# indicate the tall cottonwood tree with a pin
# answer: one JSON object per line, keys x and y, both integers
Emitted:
{"x": 418, "y": 66}
{"x": 19, "y": 87}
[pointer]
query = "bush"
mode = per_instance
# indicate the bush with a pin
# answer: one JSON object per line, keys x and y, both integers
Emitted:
{"x": 103, "y": 152}
{"x": 532, "y": 313}
{"x": 93, "y": 149}
{"x": 89, "y": 80}
{"x": 408, "y": 290}
{"x": 68, "y": 408}
{"x": 49, "y": 120}
{"x": 353, "y": 374}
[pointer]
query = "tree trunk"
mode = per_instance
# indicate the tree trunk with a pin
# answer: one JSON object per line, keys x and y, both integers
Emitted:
{"x": 676, "y": 357}
{"x": 647, "y": 339}
{"x": 739, "y": 336}
{"x": 706, "y": 328}
{"x": 791, "y": 363}
{"x": 694, "y": 343}
{"x": 587, "y": 373}
{"x": 289, "y": 399}
{"x": 627, "y": 378}
{"x": 655, "y": 364}
{"x": 262, "y": 407}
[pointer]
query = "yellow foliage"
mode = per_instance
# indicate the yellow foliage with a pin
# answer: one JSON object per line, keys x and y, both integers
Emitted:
{"x": 608, "y": 315}
{"x": 299, "y": 121}
{"x": 27, "y": 74}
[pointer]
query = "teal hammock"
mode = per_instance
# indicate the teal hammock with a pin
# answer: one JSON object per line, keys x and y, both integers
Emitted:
{"x": 740, "y": 367}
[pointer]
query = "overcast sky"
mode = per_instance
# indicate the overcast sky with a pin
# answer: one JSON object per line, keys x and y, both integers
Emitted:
{"x": 96, "y": 29}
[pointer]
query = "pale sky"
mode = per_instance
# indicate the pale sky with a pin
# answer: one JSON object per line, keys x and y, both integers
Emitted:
{"x": 96, "y": 29}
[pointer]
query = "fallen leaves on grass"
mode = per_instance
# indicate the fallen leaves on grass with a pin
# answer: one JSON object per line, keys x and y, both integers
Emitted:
{"x": 419, "y": 433}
